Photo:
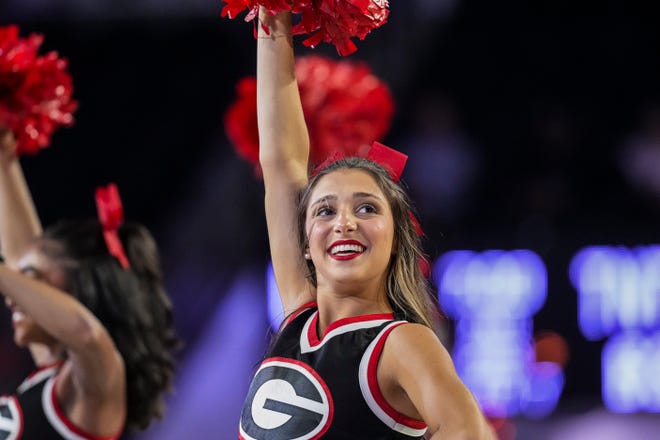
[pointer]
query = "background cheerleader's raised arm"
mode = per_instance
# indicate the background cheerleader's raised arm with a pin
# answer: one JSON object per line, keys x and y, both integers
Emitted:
{"x": 86, "y": 298}
{"x": 55, "y": 326}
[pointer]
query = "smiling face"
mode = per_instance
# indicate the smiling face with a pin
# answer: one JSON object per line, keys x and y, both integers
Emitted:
{"x": 38, "y": 265}
{"x": 350, "y": 229}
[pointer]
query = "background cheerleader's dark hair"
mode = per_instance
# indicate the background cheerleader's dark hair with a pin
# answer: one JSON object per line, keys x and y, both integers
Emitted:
{"x": 131, "y": 303}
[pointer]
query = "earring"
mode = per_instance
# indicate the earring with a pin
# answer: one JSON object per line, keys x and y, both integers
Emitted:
{"x": 307, "y": 256}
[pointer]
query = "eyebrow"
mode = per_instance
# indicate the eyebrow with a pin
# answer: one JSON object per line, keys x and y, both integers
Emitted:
{"x": 364, "y": 195}
{"x": 357, "y": 195}
{"x": 323, "y": 199}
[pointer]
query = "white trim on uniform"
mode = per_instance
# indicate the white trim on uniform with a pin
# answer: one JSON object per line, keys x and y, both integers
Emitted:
{"x": 306, "y": 346}
{"x": 56, "y": 422}
{"x": 36, "y": 378}
{"x": 16, "y": 422}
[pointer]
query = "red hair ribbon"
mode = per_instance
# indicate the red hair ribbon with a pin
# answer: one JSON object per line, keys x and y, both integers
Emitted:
{"x": 111, "y": 216}
{"x": 391, "y": 160}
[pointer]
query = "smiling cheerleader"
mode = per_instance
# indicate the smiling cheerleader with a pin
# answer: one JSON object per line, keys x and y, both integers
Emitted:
{"x": 357, "y": 357}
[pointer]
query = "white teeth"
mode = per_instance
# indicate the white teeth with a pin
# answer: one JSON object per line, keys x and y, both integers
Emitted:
{"x": 17, "y": 316}
{"x": 346, "y": 248}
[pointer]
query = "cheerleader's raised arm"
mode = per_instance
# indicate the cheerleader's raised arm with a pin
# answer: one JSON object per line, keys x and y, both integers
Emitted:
{"x": 283, "y": 154}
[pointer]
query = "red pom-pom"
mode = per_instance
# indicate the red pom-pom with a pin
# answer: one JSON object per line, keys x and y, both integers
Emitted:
{"x": 346, "y": 107}
{"x": 234, "y": 7}
{"x": 35, "y": 91}
{"x": 332, "y": 21}
{"x": 241, "y": 121}
{"x": 337, "y": 21}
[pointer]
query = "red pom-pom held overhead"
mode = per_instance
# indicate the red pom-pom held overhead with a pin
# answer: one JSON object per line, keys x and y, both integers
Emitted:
{"x": 331, "y": 21}
{"x": 35, "y": 91}
{"x": 346, "y": 108}
{"x": 337, "y": 21}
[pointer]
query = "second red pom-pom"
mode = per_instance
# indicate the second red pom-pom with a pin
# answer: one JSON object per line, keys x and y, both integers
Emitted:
{"x": 35, "y": 91}
{"x": 346, "y": 108}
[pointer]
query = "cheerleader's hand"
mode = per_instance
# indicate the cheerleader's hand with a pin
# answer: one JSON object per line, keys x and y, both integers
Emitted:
{"x": 7, "y": 145}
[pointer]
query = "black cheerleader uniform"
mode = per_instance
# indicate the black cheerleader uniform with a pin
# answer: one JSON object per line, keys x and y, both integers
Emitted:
{"x": 310, "y": 387}
{"x": 34, "y": 414}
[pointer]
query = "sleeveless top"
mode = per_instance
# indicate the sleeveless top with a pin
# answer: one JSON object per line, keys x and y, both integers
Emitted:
{"x": 34, "y": 414}
{"x": 308, "y": 388}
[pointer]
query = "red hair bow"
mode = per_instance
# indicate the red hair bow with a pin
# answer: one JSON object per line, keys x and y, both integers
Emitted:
{"x": 391, "y": 160}
{"x": 111, "y": 216}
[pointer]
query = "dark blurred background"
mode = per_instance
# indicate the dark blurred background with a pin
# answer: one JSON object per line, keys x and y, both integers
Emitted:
{"x": 528, "y": 127}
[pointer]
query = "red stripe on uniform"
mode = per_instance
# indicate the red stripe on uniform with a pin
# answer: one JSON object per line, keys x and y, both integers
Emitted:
{"x": 372, "y": 379}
